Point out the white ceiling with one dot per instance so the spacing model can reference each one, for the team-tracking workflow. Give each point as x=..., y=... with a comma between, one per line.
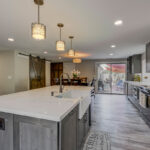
x=90, y=21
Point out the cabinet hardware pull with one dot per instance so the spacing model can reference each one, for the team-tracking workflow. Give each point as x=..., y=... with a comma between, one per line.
x=2, y=124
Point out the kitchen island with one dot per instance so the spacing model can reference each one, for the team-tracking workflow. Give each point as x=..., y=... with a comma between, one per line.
x=35, y=120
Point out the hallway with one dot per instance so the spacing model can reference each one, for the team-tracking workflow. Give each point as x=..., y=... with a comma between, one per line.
x=117, y=116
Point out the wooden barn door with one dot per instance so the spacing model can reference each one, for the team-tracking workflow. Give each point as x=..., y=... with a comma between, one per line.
x=37, y=72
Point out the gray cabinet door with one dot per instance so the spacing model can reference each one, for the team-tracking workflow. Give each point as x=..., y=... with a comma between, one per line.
x=69, y=128
x=129, y=65
x=6, y=131
x=83, y=128
x=86, y=123
x=137, y=64
x=35, y=134
x=81, y=132
x=148, y=57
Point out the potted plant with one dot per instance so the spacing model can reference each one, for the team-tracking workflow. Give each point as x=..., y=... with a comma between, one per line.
x=75, y=74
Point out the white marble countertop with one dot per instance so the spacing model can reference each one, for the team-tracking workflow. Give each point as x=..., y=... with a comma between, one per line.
x=136, y=83
x=39, y=103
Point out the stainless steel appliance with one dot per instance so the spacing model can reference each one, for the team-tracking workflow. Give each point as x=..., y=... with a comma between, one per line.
x=144, y=97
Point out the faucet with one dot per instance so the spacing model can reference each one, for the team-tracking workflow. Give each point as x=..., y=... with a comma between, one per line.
x=61, y=77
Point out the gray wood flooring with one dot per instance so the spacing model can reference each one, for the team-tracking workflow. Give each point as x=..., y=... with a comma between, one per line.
x=117, y=116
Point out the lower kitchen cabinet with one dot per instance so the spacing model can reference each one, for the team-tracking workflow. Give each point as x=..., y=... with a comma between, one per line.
x=27, y=133
x=35, y=134
x=6, y=131
x=69, y=128
x=83, y=128
x=135, y=97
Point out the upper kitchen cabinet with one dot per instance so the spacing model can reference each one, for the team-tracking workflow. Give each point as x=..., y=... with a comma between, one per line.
x=137, y=63
x=129, y=65
x=134, y=64
x=129, y=69
x=148, y=57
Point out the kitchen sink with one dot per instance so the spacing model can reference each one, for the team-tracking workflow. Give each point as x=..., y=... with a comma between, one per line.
x=83, y=96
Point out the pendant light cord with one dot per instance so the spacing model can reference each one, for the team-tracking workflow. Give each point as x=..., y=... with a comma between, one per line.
x=71, y=43
x=60, y=33
x=38, y=13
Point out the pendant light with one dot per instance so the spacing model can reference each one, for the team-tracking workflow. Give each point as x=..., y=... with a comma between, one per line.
x=38, y=29
x=77, y=60
x=71, y=51
x=60, y=45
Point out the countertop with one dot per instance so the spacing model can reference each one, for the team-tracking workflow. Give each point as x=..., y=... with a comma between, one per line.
x=146, y=84
x=40, y=104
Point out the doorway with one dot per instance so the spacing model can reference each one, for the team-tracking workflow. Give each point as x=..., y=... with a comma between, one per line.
x=111, y=78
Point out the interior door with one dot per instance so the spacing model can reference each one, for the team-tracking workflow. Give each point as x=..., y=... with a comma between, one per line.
x=56, y=71
x=37, y=72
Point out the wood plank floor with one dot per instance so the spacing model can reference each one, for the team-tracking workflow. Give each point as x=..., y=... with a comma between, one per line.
x=117, y=116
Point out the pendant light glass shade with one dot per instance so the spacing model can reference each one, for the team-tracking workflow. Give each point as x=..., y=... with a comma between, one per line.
x=77, y=60
x=60, y=45
x=71, y=53
x=38, y=31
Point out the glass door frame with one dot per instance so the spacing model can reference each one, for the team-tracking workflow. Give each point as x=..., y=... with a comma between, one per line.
x=109, y=62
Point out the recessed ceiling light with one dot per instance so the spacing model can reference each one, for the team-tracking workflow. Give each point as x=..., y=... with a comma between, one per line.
x=111, y=54
x=11, y=39
x=113, y=46
x=45, y=52
x=59, y=57
x=118, y=23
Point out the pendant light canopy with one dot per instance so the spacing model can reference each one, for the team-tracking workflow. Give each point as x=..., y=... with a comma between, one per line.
x=38, y=29
x=71, y=51
x=60, y=45
x=77, y=60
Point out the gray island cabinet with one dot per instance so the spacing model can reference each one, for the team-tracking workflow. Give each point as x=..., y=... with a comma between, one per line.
x=6, y=131
x=83, y=129
x=27, y=133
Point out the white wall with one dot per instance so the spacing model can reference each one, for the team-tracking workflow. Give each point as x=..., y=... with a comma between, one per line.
x=6, y=72
x=21, y=72
x=47, y=73
x=87, y=69
x=68, y=67
x=14, y=72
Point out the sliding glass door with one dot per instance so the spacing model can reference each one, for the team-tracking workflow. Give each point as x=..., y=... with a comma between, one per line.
x=111, y=77
x=104, y=78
